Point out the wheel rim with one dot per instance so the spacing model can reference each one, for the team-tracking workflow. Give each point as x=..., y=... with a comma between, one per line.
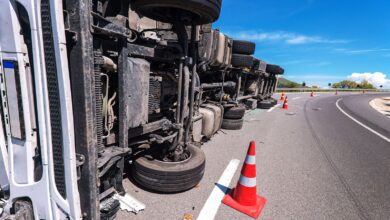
x=177, y=162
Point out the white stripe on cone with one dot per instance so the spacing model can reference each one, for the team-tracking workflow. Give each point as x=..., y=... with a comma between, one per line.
x=248, y=182
x=250, y=160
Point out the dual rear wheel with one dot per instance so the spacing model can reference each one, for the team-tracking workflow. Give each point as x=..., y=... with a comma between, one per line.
x=233, y=118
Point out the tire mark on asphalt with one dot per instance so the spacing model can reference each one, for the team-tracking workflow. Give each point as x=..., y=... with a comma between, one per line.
x=352, y=196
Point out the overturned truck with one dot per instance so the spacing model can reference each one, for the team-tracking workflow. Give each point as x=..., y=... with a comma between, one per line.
x=100, y=90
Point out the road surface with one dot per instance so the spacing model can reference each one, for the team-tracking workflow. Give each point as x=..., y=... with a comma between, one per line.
x=317, y=160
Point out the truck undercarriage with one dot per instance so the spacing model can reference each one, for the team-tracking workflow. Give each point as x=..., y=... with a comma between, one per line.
x=93, y=90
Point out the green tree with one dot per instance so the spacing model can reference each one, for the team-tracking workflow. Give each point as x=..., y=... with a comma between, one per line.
x=284, y=83
x=366, y=85
x=292, y=85
x=349, y=84
x=346, y=84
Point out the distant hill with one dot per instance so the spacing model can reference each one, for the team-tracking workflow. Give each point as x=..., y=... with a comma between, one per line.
x=285, y=83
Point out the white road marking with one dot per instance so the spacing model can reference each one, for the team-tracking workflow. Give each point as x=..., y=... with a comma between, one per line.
x=296, y=98
x=361, y=124
x=271, y=109
x=210, y=208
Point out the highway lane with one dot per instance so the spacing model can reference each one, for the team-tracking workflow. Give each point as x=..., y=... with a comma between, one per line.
x=358, y=157
x=358, y=107
x=313, y=162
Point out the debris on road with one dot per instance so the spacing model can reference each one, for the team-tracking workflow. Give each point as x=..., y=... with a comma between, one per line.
x=188, y=216
x=291, y=113
x=129, y=203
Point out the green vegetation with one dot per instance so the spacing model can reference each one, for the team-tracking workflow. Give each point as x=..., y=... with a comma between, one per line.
x=345, y=84
x=285, y=83
x=366, y=85
x=348, y=84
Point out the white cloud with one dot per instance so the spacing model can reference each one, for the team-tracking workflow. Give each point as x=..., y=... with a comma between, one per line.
x=376, y=78
x=361, y=51
x=286, y=37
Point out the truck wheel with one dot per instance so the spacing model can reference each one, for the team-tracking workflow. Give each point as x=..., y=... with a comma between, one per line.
x=234, y=112
x=274, y=69
x=265, y=104
x=196, y=11
x=170, y=177
x=241, y=60
x=232, y=124
x=23, y=210
x=244, y=47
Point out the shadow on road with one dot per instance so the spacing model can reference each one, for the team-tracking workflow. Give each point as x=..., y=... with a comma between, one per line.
x=223, y=188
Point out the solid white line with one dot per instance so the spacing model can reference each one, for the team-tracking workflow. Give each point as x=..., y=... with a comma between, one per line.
x=361, y=124
x=210, y=208
x=271, y=109
x=296, y=98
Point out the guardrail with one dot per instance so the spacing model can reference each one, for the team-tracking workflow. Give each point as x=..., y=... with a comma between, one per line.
x=329, y=90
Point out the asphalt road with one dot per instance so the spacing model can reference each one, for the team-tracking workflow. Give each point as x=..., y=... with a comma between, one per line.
x=313, y=162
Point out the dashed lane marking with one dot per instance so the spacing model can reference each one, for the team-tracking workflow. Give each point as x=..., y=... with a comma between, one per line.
x=271, y=109
x=360, y=123
x=212, y=204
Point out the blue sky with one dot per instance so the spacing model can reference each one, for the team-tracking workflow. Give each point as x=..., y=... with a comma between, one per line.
x=316, y=41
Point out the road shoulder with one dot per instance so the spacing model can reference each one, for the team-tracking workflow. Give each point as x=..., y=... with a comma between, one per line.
x=382, y=105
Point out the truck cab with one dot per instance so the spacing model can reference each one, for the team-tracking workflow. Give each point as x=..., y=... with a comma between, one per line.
x=100, y=90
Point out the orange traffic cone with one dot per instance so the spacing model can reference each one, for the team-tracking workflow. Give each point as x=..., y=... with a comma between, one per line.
x=243, y=198
x=285, y=104
x=312, y=94
x=282, y=97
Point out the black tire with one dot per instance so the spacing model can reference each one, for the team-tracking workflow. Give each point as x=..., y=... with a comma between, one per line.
x=234, y=112
x=243, y=47
x=170, y=177
x=266, y=104
x=197, y=11
x=274, y=69
x=232, y=124
x=241, y=60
